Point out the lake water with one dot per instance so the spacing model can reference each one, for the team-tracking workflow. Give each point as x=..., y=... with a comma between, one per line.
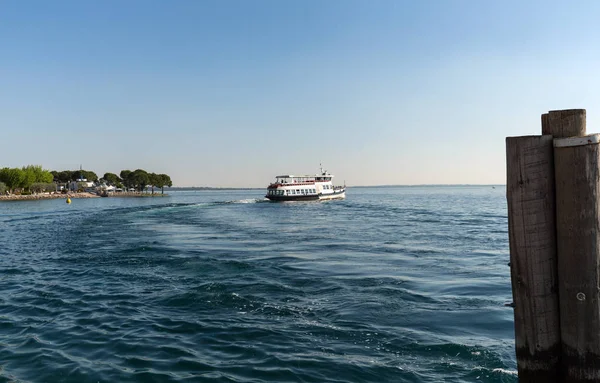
x=393, y=284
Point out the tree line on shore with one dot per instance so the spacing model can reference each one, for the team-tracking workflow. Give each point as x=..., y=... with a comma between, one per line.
x=33, y=178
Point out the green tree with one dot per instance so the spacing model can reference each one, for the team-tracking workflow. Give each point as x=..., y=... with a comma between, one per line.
x=12, y=177
x=89, y=175
x=28, y=177
x=139, y=179
x=153, y=180
x=3, y=188
x=85, y=174
x=34, y=174
x=39, y=174
x=125, y=178
x=45, y=177
x=163, y=180
x=111, y=179
x=64, y=176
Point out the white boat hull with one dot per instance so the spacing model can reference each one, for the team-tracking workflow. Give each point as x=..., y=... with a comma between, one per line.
x=336, y=195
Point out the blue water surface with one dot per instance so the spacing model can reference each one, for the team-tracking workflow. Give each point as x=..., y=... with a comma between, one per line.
x=393, y=284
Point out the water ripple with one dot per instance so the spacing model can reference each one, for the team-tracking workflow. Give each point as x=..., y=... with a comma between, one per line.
x=390, y=285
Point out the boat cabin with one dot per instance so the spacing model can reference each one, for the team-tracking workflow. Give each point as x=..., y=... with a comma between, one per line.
x=291, y=179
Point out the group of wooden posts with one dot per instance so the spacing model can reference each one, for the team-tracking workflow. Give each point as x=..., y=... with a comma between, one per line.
x=553, y=191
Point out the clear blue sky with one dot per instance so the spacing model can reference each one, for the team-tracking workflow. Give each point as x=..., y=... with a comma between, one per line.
x=232, y=93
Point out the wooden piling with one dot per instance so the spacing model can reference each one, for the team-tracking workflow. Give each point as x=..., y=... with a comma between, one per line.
x=577, y=164
x=532, y=240
x=565, y=123
x=545, y=125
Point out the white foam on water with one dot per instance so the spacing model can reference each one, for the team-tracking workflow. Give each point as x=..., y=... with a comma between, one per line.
x=248, y=200
x=505, y=371
x=498, y=370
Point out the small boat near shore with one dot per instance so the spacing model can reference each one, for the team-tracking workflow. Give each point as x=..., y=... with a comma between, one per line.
x=305, y=188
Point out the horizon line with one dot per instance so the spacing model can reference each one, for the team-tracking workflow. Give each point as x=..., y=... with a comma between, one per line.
x=356, y=186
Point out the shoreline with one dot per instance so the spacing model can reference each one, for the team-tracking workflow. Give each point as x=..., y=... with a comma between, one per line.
x=34, y=197
x=42, y=196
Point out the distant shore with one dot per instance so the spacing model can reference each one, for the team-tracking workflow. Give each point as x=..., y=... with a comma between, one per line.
x=19, y=197
x=39, y=196
x=137, y=194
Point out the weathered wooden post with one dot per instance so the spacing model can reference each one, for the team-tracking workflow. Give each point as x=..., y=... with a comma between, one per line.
x=564, y=123
x=532, y=239
x=554, y=235
x=577, y=172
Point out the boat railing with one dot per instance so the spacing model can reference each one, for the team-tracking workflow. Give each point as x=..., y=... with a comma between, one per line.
x=292, y=183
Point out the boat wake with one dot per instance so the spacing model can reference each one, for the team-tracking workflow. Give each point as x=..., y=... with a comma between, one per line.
x=249, y=200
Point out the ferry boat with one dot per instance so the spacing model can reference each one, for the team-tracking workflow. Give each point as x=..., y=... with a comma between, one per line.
x=305, y=188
